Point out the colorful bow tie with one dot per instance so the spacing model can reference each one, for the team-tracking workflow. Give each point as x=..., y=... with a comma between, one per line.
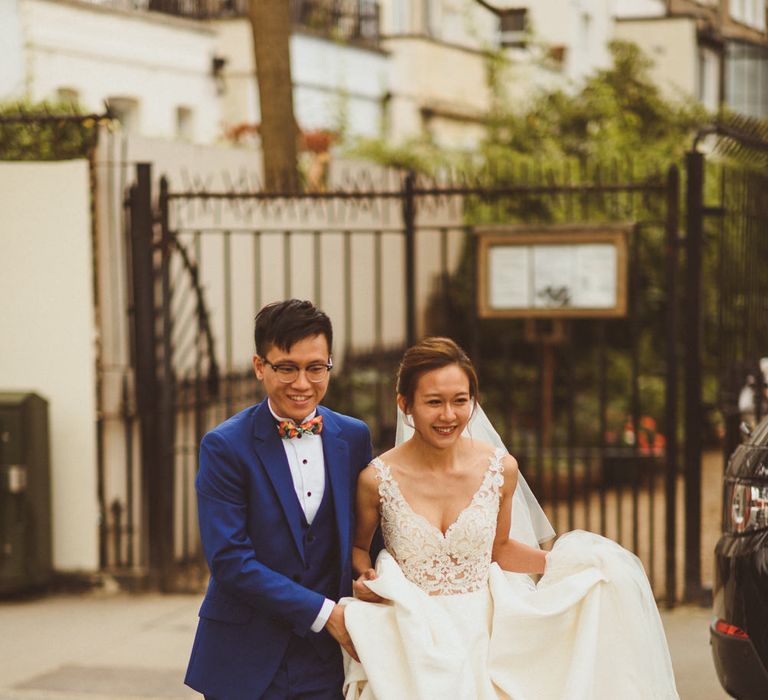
x=288, y=428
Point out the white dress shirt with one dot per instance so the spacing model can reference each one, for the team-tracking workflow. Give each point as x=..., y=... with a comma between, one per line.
x=307, y=465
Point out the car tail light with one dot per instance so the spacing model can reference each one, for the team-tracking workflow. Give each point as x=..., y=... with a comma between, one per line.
x=730, y=630
x=747, y=507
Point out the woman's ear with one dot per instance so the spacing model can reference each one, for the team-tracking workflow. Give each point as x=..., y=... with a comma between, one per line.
x=402, y=404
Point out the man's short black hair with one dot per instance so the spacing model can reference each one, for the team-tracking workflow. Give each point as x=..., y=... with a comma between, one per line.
x=284, y=323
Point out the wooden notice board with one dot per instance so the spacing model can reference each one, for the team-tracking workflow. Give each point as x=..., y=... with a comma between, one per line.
x=555, y=271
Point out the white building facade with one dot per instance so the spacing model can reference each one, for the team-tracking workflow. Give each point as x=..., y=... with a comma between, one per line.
x=399, y=69
x=153, y=70
x=715, y=51
x=188, y=75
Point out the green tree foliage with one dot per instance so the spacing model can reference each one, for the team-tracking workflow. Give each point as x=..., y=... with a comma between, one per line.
x=618, y=114
x=45, y=131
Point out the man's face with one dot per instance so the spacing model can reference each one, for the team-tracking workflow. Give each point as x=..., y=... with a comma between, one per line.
x=298, y=398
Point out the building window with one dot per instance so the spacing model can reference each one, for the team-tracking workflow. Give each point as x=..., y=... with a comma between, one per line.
x=746, y=79
x=585, y=32
x=126, y=111
x=512, y=26
x=185, y=124
x=749, y=12
x=400, y=17
x=433, y=16
x=68, y=96
x=709, y=78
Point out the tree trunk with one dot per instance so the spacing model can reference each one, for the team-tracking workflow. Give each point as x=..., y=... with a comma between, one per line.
x=271, y=27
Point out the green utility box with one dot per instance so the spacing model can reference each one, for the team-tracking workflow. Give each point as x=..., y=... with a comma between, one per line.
x=25, y=492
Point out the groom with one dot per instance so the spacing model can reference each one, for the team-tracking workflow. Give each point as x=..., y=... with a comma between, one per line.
x=275, y=498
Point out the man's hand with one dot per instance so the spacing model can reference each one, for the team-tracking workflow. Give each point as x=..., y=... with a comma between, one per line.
x=361, y=591
x=338, y=630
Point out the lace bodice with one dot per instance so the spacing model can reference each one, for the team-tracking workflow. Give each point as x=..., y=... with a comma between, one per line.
x=442, y=564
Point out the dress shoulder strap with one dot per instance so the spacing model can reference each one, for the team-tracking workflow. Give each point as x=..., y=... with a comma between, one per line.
x=382, y=470
x=498, y=455
x=387, y=485
x=495, y=474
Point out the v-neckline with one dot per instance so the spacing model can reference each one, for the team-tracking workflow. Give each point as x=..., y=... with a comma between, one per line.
x=493, y=459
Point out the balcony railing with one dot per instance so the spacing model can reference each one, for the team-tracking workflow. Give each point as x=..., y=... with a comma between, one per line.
x=341, y=20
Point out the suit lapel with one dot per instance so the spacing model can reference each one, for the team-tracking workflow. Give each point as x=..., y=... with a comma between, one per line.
x=270, y=450
x=336, y=455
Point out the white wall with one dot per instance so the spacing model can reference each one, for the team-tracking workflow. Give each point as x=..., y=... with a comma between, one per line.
x=11, y=49
x=582, y=26
x=48, y=332
x=639, y=8
x=240, y=96
x=162, y=62
x=672, y=45
x=333, y=82
x=446, y=79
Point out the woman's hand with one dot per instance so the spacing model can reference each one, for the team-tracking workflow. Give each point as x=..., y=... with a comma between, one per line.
x=361, y=591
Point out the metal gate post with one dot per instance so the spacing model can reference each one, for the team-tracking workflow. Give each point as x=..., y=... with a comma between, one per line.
x=693, y=371
x=409, y=226
x=144, y=356
x=162, y=503
x=670, y=418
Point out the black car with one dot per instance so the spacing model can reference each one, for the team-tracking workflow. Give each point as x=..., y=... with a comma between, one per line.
x=739, y=631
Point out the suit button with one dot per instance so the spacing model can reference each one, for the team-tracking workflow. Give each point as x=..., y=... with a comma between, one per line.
x=297, y=578
x=311, y=539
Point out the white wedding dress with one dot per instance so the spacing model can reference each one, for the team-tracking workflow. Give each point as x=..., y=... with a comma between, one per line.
x=457, y=627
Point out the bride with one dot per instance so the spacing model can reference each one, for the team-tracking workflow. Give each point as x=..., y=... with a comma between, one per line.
x=450, y=612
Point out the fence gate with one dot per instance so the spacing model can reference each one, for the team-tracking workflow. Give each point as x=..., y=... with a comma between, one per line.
x=726, y=307
x=590, y=414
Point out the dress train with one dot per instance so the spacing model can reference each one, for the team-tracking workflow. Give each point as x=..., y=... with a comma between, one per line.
x=590, y=630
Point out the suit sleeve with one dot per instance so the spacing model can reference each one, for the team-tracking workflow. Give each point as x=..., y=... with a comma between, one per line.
x=223, y=512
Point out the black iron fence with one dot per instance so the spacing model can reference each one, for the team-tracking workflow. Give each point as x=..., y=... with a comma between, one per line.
x=587, y=405
x=736, y=250
x=726, y=300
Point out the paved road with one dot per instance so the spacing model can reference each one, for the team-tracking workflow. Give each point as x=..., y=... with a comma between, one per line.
x=115, y=646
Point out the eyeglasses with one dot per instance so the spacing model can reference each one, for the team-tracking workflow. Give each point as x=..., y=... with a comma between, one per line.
x=316, y=372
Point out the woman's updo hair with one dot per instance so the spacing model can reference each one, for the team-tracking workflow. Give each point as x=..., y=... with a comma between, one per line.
x=432, y=353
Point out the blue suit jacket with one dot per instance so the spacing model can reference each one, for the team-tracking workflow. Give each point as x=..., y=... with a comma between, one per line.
x=250, y=526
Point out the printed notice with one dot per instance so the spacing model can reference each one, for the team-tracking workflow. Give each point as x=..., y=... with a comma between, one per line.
x=595, y=284
x=554, y=277
x=509, y=268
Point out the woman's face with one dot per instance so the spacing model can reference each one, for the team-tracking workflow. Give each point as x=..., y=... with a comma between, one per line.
x=441, y=405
